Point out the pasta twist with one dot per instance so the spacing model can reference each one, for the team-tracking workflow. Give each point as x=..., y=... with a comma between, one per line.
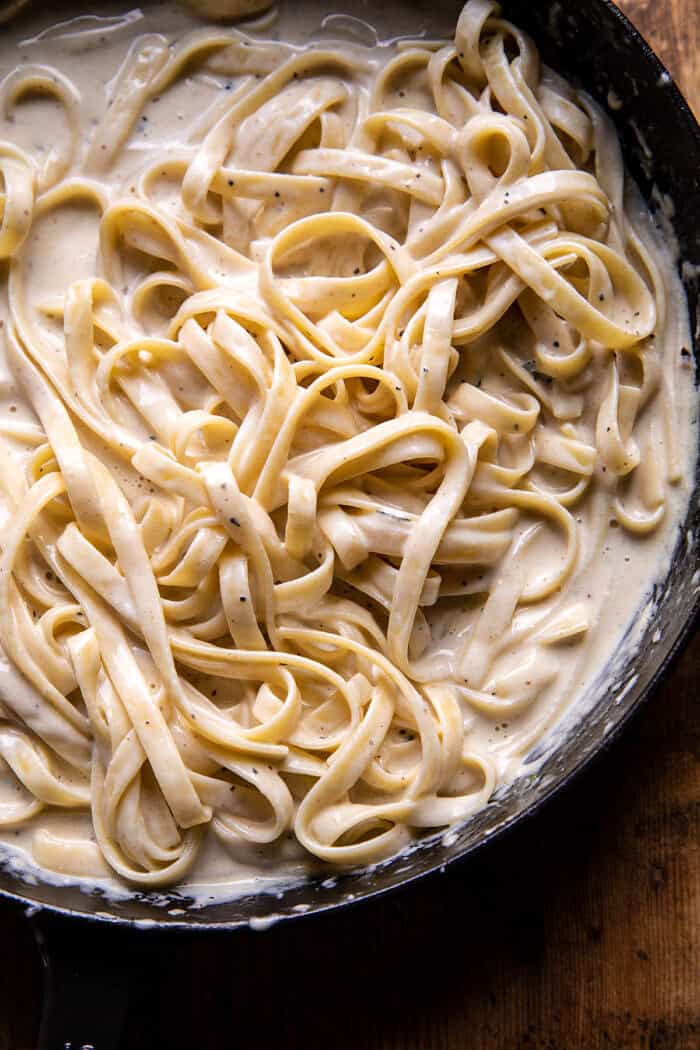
x=349, y=353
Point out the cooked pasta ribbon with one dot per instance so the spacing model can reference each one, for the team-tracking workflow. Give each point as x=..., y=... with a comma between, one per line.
x=299, y=505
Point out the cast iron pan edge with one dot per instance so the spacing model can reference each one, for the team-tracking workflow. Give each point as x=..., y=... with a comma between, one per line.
x=549, y=31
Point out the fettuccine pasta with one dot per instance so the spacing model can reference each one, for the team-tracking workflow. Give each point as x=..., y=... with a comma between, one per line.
x=337, y=388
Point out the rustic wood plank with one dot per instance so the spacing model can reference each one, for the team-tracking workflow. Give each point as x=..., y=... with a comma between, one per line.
x=672, y=27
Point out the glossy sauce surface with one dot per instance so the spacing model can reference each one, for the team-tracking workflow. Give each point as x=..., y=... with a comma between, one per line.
x=510, y=666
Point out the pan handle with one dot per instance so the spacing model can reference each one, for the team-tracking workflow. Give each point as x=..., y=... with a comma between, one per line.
x=90, y=975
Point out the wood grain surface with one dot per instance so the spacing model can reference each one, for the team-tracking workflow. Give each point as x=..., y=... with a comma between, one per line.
x=581, y=931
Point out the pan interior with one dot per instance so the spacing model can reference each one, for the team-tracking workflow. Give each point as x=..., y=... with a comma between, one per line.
x=586, y=45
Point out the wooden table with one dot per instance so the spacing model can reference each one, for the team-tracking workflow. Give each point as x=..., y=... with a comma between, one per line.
x=581, y=932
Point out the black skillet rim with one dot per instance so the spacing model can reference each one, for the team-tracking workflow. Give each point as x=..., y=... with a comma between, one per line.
x=681, y=112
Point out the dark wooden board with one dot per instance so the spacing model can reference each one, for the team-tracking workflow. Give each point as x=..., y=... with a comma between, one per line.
x=580, y=932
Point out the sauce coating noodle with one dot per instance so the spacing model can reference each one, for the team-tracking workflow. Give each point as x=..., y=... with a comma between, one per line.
x=335, y=395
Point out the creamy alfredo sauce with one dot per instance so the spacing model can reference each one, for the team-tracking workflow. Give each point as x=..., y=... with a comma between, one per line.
x=350, y=354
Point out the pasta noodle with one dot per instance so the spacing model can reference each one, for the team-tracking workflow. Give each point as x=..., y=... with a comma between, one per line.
x=329, y=420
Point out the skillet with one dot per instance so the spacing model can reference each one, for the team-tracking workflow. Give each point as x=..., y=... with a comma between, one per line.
x=93, y=946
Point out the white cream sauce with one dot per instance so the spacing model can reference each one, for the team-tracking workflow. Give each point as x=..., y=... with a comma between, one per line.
x=620, y=567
